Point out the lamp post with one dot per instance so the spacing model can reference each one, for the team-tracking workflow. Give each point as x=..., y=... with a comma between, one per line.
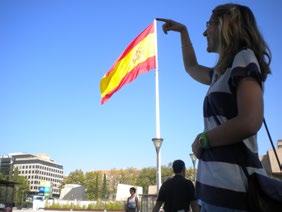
x=193, y=158
x=158, y=143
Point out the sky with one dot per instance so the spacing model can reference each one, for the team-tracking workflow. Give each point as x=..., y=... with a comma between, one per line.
x=54, y=53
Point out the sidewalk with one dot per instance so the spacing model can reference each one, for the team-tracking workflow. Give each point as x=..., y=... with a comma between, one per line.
x=40, y=210
x=30, y=210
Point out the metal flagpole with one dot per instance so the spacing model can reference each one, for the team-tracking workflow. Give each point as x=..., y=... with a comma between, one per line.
x=157, y=140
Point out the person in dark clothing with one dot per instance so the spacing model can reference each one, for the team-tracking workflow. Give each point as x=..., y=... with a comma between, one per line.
x=177, y=193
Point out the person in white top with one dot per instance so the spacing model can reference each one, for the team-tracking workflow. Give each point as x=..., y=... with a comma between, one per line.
x=132, y=203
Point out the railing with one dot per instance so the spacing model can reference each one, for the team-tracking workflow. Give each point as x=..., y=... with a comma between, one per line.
x=147, y=203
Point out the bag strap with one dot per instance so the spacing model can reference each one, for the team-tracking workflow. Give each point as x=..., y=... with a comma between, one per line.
x=245, y=171
x=265, y=125
x=274, y=150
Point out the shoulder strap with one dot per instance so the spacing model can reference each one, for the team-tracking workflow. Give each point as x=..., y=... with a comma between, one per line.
x=274, y=150
x=265, y=125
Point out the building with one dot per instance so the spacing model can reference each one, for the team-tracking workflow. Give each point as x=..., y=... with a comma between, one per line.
x=38, y=169
x=270, y=163
x=5, y=165
x=73, y=192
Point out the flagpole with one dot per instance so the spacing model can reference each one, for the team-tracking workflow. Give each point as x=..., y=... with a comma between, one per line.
x=157, y=140
x=158, y=131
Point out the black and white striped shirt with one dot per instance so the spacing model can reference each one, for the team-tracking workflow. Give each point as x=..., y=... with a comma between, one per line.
x=221, y=181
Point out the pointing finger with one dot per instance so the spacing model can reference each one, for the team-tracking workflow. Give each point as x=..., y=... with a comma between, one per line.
x=162, y=19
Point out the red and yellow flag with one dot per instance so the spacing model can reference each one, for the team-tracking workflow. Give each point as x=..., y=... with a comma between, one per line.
x=139, y=57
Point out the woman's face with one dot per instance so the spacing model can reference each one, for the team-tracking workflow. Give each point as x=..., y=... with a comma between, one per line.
x=131, y=191
x=212, y=35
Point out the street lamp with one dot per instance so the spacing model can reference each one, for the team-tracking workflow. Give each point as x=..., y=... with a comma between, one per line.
x=193, y=158
x=158, y=143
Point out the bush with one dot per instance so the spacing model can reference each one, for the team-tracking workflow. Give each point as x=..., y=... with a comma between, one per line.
x=114, y=206
x=100, y=205
x=24, y=205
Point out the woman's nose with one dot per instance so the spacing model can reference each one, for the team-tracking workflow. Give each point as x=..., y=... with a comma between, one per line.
x=205, y=33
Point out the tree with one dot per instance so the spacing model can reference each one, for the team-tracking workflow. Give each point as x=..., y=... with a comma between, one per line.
x=146, y=177
x=96, y=189
x=90, y=180
x=76, y=177
x=22, y=187
x=2, y=177
x=103, y=185
x=190, y=174
x=113, y=181
x=166, y=172
x=104, y=192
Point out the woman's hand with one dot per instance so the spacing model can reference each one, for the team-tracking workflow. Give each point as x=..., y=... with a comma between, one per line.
x=196, y=147
x=171, y=25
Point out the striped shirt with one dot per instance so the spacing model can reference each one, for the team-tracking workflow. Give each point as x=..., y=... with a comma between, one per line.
x=221, y=181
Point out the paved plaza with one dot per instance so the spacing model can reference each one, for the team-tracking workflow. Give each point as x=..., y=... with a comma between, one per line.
x=30, y=210
x=40, y=210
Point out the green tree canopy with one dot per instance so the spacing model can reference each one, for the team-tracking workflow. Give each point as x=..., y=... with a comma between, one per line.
x=104, y=191
x=90, y=182
x=76, y=177
x=22, y=187
x=103, y=184
x=146, y=177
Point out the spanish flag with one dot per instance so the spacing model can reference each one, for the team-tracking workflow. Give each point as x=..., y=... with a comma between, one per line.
x=139, y=57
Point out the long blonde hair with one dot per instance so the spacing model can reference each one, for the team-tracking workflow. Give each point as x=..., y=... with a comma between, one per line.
x=238, y=29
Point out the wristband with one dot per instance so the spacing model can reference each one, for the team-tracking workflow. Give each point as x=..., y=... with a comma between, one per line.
x=204, y=141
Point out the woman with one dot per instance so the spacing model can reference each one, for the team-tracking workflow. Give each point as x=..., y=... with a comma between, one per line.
x=132, y=203
x=233, y=106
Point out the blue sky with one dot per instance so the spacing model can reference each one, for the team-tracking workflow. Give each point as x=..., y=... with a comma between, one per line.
x=54, y=53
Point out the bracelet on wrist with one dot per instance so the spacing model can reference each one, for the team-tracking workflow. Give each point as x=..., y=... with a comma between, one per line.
x=204, y=141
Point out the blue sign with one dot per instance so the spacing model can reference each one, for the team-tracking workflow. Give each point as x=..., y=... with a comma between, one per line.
x=41, y=189
x=44, y=191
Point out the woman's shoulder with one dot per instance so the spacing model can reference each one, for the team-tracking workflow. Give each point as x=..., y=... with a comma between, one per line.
x=244, y=57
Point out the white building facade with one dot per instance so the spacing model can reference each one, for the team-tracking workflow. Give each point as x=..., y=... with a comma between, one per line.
x=39, y=170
